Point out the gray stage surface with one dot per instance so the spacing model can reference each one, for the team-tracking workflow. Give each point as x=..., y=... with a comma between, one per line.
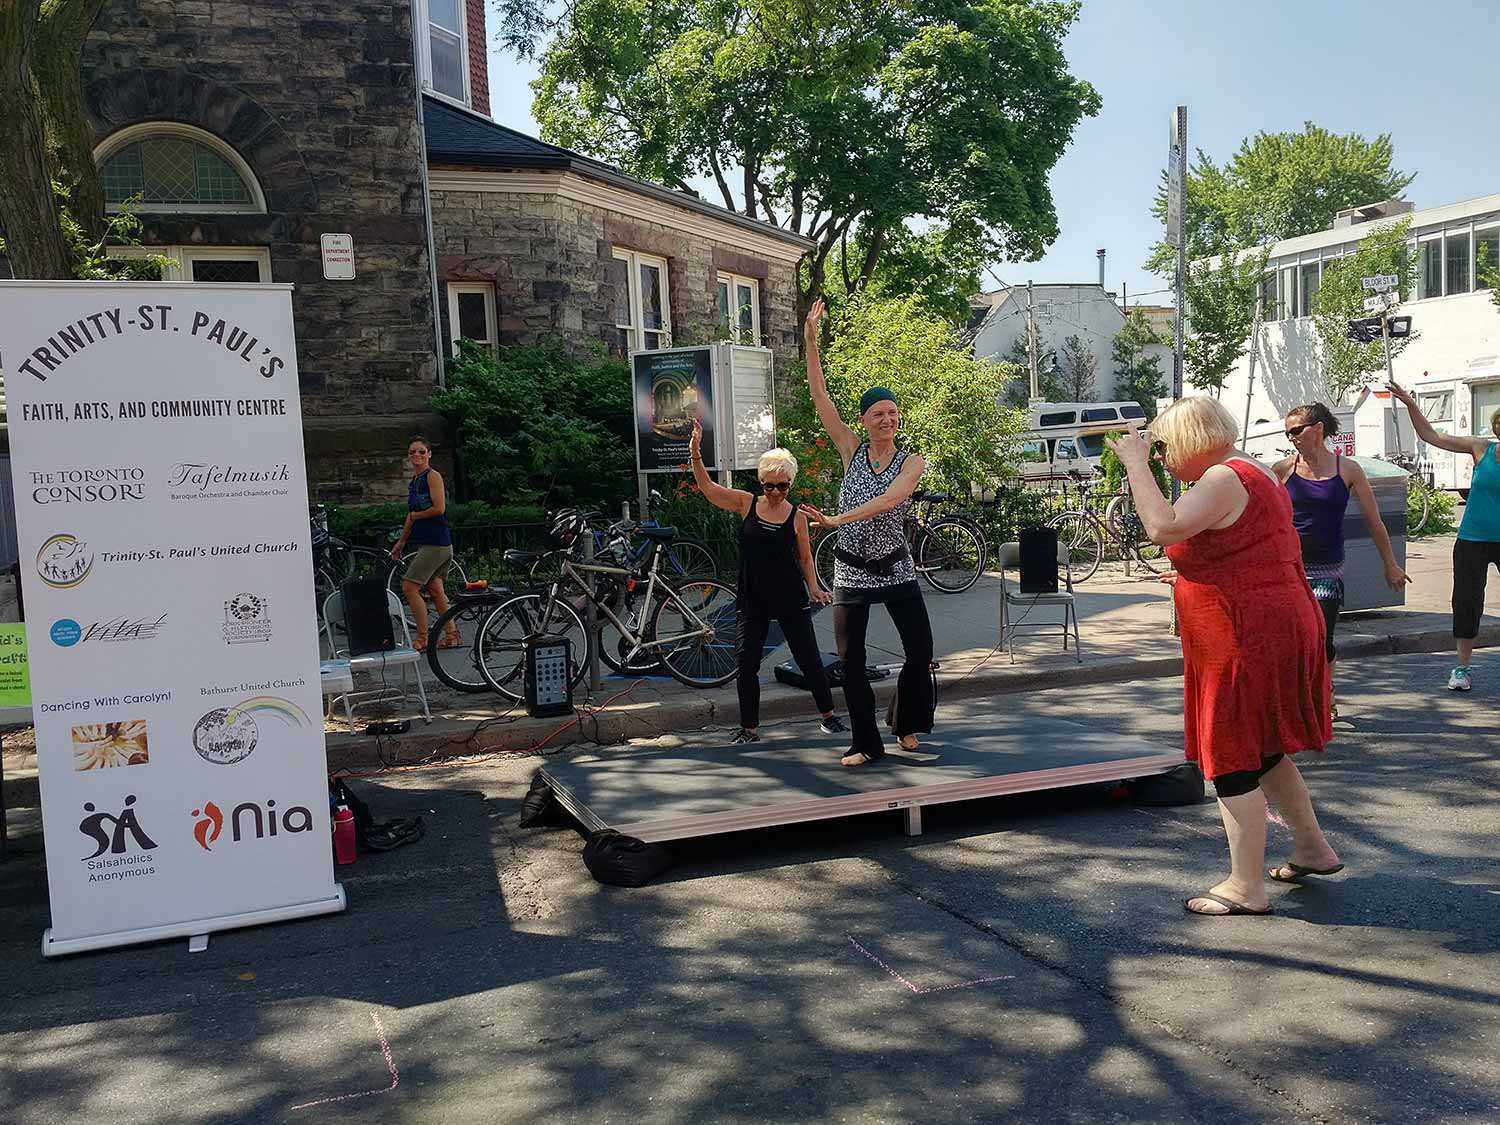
x=700, y=790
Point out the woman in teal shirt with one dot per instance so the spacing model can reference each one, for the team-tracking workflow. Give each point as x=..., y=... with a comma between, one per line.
x=1478, y=544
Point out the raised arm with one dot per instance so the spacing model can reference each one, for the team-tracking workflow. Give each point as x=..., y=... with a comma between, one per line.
x=844, y=438
x=1212, y=500
x=901, y=488
x=730, y=499
x=1453, y=443
x=1359, y=485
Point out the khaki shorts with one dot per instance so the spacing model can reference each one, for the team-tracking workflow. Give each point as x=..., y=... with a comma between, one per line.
x=428, y=563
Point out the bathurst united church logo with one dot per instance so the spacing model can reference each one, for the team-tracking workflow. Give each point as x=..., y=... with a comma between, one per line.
x=64, y=561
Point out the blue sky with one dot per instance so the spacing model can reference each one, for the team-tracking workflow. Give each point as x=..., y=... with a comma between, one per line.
x=1426, y=74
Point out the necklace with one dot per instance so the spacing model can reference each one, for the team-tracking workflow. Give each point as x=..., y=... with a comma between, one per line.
x=876, y=462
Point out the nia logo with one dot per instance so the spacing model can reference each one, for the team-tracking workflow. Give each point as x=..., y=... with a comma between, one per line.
x=249, y=820
x=206, y=830
x=113, y=838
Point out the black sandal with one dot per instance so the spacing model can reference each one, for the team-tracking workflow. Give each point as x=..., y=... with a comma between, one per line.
x=1231, y=907
x=1296, y=871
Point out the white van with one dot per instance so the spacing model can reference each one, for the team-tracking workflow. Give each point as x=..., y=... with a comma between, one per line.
x=1067, y=436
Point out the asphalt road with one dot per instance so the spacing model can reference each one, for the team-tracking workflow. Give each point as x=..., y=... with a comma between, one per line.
x=1025, y=959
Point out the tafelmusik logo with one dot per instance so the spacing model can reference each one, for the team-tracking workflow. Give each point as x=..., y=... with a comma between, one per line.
x=227, y=735
x=66, y=632
x=64, y=561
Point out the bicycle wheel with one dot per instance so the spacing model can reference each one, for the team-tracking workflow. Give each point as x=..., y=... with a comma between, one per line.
x=823, y=558
x=614, y=646
x=687, y=560
x=458, y=667
x=951, y=555
x=1126, y=524
x=697, y=627
x=1418, y=505
x=1084, y=537
x=501, y=646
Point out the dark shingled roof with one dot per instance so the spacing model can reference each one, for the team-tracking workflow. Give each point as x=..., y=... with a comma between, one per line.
x=458, y=137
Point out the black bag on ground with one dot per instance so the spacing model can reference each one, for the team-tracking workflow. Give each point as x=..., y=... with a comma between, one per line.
x=624, y=861
x=788, y=673
x=539, y=808
x=1180, y=785
x=339, y=793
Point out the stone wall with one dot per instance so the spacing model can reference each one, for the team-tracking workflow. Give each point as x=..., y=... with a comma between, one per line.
x=550, y=258
x=320, y=100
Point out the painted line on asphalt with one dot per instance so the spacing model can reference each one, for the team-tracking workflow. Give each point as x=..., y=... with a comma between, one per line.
x=917, y=989
x=390, y=1065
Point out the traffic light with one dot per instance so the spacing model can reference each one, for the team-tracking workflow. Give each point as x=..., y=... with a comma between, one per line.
x=1366, y=330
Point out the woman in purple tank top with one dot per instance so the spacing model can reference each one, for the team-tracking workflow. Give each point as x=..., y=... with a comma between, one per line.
x=1320, y=482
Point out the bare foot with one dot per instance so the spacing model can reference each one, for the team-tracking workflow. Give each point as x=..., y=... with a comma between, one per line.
x=910, y=742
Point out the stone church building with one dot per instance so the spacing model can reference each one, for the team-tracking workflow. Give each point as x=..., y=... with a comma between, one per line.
x=247, y=131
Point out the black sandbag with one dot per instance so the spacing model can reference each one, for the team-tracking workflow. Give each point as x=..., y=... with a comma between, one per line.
x=539, y=808
x=1180, y=785
x=624, y=861
x=340, y=794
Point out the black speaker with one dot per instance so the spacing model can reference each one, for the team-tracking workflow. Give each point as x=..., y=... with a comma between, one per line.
x=1038, y=560
x=790, y=674
x=367, y=616
x=548, y=676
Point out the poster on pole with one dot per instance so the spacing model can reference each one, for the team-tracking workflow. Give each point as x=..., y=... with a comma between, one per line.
x=672, y=387
x=1174, y=178
x=161, y=510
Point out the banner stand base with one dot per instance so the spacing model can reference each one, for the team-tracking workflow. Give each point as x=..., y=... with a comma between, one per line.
x=195, y=931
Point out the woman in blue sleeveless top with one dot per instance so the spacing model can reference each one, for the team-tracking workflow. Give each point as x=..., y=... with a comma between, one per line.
x=427, y=530
x=1477, y=547
x=1320, y=483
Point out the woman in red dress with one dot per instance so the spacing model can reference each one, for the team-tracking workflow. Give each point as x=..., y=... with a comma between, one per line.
x=1255, y=682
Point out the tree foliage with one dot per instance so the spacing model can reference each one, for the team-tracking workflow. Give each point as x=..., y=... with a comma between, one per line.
x=539, y=424
x=950, y=411
x=1016, y=390
x=839, y=121
x=1221, y=296
x=941, y=266
x=1076, y=370
x=1341, y=297
x=1137, y=370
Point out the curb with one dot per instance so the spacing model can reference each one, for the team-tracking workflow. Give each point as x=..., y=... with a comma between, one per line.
x=616, y=725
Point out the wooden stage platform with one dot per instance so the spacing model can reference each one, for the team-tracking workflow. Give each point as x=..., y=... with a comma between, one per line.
x=700, y=790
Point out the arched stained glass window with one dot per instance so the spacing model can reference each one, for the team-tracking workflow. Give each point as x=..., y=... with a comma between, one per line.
x=167, y=171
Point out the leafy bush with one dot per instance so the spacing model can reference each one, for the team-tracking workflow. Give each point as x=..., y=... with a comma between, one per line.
x=1442, y=512
x=371, y=524
x=1114, y=471
x=540, y=425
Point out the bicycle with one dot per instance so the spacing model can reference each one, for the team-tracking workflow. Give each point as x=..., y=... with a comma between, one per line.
x=335, y=560
x=685, y=559
x=950, y=552
x=1085, y=532
x=691, y=629
x=458, y=666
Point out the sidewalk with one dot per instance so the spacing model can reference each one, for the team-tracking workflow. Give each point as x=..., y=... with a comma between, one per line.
x=1124, y=625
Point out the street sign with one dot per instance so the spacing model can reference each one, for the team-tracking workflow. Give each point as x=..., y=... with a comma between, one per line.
x=1381, y=282
x=1398, y=327
x=1378, y=303
x=338, y=257
x=1174, y=177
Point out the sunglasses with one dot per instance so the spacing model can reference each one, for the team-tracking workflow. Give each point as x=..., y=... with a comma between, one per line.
x=775, y=486
x=1293, y=431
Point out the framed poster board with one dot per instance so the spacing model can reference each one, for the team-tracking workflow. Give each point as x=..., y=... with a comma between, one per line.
x=673, y=386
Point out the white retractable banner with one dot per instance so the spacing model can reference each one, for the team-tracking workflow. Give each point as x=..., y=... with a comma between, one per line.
x=161, y=509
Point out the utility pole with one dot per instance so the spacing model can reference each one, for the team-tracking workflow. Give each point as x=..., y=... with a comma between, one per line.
x=1036, y=391
x=1260, y=307
x=1178, y=174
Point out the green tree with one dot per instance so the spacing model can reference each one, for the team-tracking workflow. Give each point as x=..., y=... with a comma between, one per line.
x=1221, y=299
x=1275, y=186
x=1137, y=370
x=1340, y=299
x=46, y=139
x=1076, y=369
x=839, y=121
x=1016, y=391
x=950, y=412
x=940, y=265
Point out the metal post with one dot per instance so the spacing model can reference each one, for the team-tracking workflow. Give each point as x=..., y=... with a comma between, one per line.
x=591, y=614
x=1036, y=392
x=1390, y=377
x=643, y=495
x=1250, y=382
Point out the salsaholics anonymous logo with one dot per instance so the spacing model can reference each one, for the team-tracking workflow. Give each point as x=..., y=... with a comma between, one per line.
x=64, y=561
x=247, y=620
x=66, y=632
x=122, y=849
x=227, y=735
x=250, y=820
x=199, y=480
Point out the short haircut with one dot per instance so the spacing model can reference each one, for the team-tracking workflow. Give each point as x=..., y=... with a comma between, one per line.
x=1193, y=427
x=419, y=440
x=1313, y=413
x=777, y=461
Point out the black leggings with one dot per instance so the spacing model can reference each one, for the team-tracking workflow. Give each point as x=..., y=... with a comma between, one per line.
x=914, y=703
x=798, y=628
x=1471, y=563
x=1240, y=782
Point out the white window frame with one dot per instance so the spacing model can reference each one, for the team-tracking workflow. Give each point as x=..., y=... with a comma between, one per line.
x=1482, y=227
x=633, y=260
x=1465, y=230
x=733, y=280
x=1421, y=253
x=423, y=18
x=491, y=321
x=147, y=129
x=181, y=258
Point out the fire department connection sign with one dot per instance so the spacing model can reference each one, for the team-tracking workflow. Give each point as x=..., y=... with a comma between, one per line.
x=161, y=510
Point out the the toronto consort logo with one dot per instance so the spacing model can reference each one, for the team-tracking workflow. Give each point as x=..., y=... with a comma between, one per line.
x=200, y=480
x=66, y=632
x=89, y=486
x=247, y=619
x=64, y=561
x=227, y=735
x=109, y=831
x=250, y=820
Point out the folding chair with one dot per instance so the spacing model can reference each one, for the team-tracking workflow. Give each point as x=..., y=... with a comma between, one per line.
x=1010, y=559
x=403, y=657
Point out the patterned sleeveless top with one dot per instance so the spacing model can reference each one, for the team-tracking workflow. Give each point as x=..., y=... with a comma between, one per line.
x=875, y=537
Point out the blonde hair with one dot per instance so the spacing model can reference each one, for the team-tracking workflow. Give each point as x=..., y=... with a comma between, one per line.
x=777, y=461
x=1192, y=427
x=1495, y=421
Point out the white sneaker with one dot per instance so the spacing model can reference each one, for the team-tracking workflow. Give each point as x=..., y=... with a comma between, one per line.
x=1458, y=679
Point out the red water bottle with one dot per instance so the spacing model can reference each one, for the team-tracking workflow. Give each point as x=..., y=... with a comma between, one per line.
x=343, y=835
